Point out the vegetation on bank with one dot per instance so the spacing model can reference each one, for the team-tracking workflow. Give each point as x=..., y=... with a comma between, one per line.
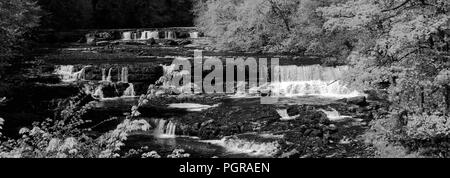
x=397, y=47
x=401, y=47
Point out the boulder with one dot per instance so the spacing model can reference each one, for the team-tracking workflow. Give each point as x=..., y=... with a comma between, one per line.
x=359, y=100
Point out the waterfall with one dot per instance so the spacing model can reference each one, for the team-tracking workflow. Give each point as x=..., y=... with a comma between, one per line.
x=109, y=78
x=334, y=115
x=193, y=34
x=67, y=74
x=146, y=35
x=285, y=116
x=154, y=34
x=170, y=35
x=310, y=80
x=126, y=36
x=164, y=129
x=98, y=93
x=134, y=35
x=129, y=92
x=103, y=75
x=124, y=75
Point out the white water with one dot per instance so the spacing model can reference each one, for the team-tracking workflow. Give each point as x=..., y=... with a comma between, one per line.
x=146, y=35
x=98, y=93
x=129, y=92
x=164, y=129
x=193, y=34
x=252, y=148
x=192, y=107
x=124, y=75
x=67, y=74
x=104, y=75
x=170, y=35
x=170, y=72
x=127, y=36
x=334, y=115
x=109, y=77
x=312, y=80
x=285, y=116
x=333, y=89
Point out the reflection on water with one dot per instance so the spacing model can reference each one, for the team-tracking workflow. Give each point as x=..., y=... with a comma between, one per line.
x=195, y=147
x=122, y=102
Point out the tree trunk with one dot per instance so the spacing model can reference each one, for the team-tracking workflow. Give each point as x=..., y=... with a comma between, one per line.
x=447, y=99
x=421, y=99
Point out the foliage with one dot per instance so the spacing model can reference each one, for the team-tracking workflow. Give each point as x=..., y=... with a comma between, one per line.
x=428, y=126
x=17, y=17
x=65, y=137
x=402, y=46
x=268, y=25
x=380, y=136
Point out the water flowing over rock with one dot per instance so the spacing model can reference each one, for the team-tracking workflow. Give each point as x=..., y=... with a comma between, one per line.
x=129, y=92
x=109, y=78
x=98, y=93
x=164, y=129
x=169, y=73
x=124, y=75
x=126, y=36
x=285, y=116
x=334, y=115
x=192, y=107
x=310, y=80
x=170, y=35
x=104, y=75
x=193, y=35
x=146, y=35
x=234, y=144
x=67, y=74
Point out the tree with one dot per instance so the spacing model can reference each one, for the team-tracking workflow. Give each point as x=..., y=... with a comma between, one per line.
x=17, y=17
x=402, y=46
x=268, y=25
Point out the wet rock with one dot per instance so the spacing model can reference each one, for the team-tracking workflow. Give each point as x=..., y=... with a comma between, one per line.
x=359, y=101
x=376, y=95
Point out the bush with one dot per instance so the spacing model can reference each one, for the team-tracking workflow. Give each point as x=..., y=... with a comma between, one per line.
x=43, y=142
x=382, y=136
x=426, y=126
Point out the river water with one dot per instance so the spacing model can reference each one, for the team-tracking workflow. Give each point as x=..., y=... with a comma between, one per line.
x=117, y=86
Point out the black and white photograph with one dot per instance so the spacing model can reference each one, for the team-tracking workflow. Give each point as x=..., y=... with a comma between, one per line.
x=224, y=79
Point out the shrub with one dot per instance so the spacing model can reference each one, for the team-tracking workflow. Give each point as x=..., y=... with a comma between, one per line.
x=427, y=126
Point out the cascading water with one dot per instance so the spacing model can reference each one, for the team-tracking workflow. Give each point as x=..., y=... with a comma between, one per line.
x=67, y=74
x=127, y=36
x=170, y=35
x=310, y=80
x=109, y=78
x=146, y=35
x=98, y=93
x=334, y=115
x=285, y=116
x=124, y=75
x=103, y=75
x=129, y=92
x=193, y=34
x=164, y=129
x=169, y=72
x=154, y=35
